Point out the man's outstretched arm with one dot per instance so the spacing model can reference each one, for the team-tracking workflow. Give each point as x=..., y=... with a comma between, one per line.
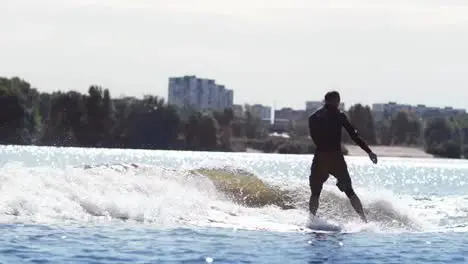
x=354, y=134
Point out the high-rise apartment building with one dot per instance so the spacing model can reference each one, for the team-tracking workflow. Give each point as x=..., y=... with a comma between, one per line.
x=201, y=94
x=260, y=111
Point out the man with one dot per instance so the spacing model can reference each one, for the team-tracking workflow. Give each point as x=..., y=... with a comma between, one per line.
x=325, y=130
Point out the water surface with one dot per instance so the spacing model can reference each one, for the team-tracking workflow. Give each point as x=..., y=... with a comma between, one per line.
x=53, y=210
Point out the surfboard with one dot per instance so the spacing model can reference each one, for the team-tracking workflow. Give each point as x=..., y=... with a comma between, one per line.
x=317, y=224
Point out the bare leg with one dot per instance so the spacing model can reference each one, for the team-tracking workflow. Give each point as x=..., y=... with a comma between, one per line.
x=318, y=175
x=356, y=203
x=345, y=185
x=313, y=204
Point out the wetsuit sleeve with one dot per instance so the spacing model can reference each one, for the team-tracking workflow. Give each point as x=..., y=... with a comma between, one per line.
x=353, y=133
x=312, y=128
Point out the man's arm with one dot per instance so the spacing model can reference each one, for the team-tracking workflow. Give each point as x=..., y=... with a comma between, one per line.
x=354, y=134
x=312, y=129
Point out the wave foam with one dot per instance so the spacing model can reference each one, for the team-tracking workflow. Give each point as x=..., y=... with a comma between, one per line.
x=165, y=197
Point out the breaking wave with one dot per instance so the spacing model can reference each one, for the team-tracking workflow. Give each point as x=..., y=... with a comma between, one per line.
x=206, y=196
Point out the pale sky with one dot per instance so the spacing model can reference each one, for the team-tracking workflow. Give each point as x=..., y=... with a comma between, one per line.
x=290, y=51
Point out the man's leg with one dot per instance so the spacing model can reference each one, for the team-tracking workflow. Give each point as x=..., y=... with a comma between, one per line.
x=316, y=179
x=314, y=202
x=356, y=203
x=345, y=185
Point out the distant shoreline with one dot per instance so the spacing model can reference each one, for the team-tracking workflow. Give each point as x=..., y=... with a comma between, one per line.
x=381, y=151
x=353, y=150
x=390, y=151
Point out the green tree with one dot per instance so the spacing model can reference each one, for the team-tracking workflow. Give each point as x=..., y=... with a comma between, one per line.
x=399, y=129
x=149, y=124
x=208, y=133
x=225, y=120
x=19, y=118
x=254, y=127
x=440, y=138
x=361, y=117
x=192, y=131
x=201, y=132
x=64, y=120
x=383, y=131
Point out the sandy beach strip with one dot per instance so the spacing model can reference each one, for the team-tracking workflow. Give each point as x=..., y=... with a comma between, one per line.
x=390, y=151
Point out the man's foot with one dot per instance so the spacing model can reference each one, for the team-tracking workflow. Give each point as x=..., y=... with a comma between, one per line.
x=312, y=217
x=364, y=219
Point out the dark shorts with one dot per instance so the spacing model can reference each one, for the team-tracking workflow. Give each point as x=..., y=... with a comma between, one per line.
x=325, y=164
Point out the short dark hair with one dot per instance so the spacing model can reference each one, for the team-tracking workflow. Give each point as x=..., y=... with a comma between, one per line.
x=332, y=95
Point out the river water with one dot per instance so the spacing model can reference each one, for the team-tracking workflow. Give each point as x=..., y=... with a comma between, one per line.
x=142, y=206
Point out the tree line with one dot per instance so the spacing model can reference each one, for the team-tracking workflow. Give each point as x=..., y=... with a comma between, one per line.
x=440, y=134
x=95, y=119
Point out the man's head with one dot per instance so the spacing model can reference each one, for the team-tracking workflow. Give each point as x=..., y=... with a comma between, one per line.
x=332, y=99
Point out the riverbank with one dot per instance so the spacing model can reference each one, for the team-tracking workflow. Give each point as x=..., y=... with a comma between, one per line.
x=381, y=151
x=350, y=150
x=390, y=151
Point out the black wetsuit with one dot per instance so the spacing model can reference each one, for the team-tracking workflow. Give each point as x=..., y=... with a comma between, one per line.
x=325, y=130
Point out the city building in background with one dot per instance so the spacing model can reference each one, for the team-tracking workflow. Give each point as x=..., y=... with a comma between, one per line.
x=238, y=110
x=290, y=114
x=385, y=110
x=206, y=94
x=312, y=106
x=201, y=94
x=260, y=111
